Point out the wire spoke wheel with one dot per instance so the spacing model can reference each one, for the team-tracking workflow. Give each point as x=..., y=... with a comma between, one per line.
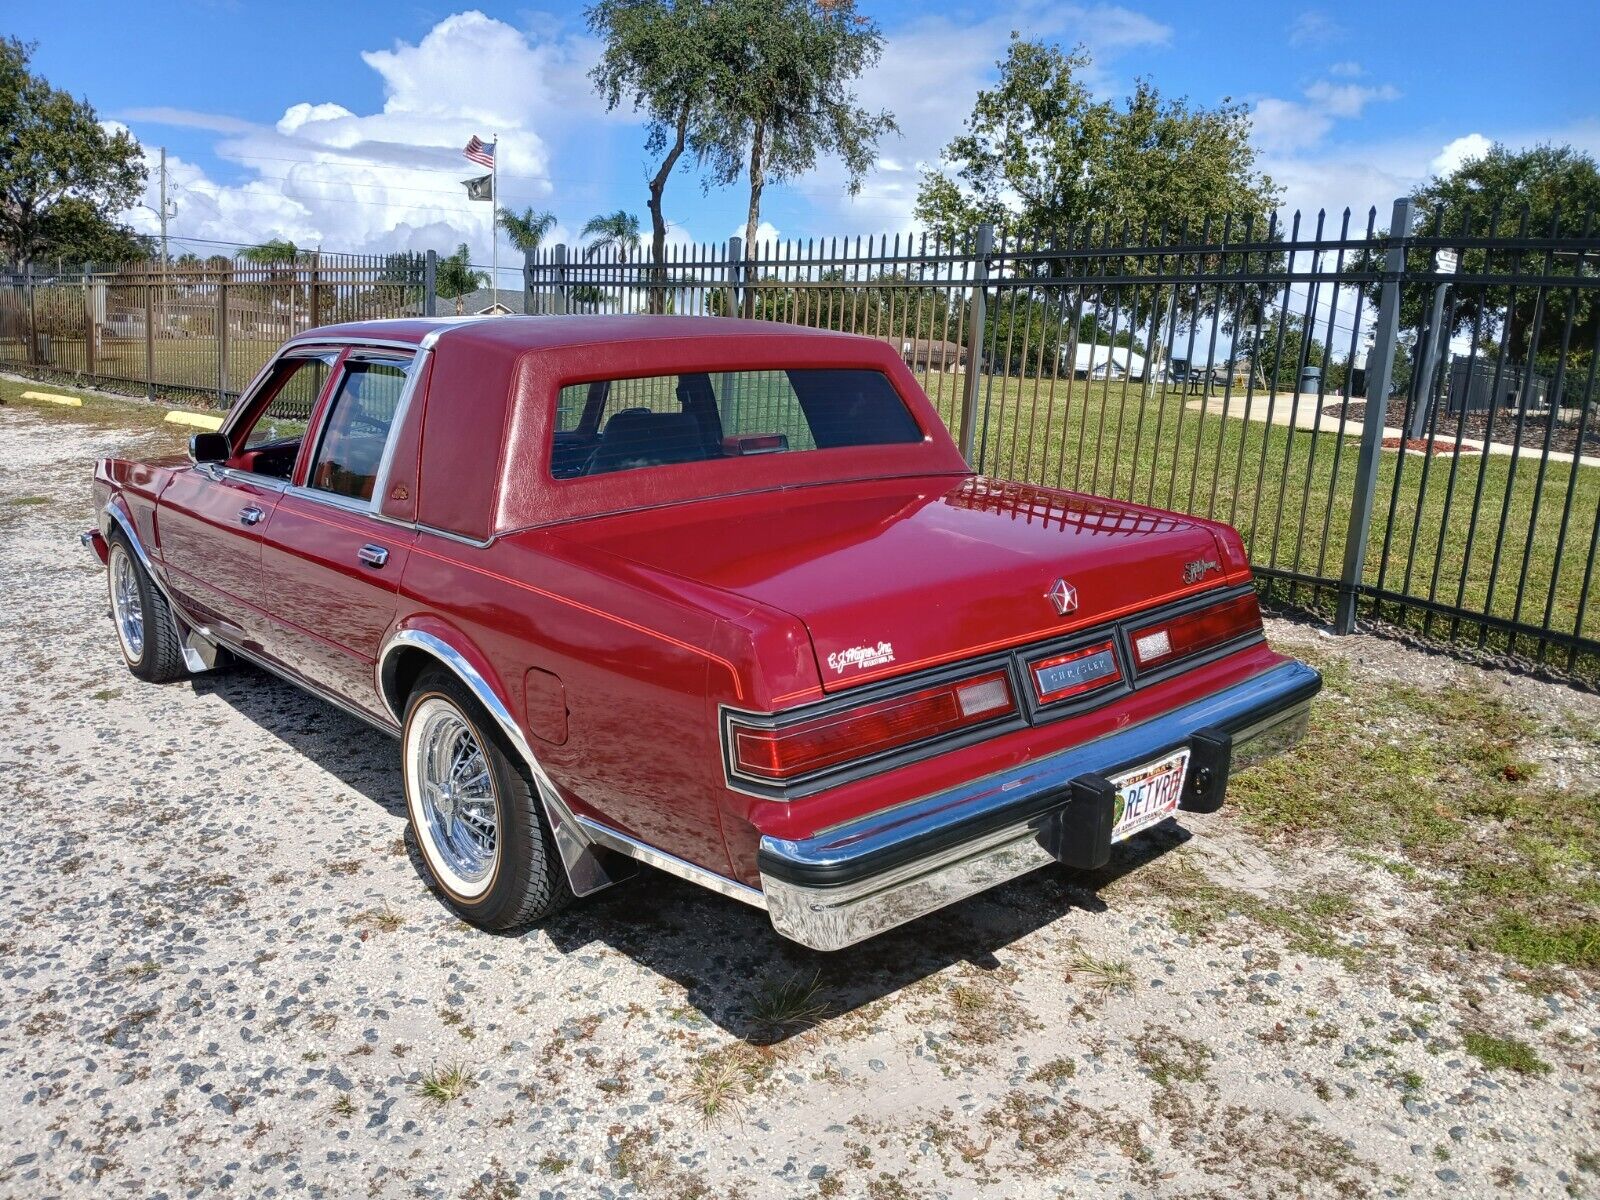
x=459, y=810
x=127, y=609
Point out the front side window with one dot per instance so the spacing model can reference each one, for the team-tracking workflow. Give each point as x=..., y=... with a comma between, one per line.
x=294, y=385
x=360, y=418
x=613, y=425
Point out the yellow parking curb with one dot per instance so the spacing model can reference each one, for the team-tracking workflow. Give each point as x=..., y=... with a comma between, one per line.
x=198, y=420
x=54, y=398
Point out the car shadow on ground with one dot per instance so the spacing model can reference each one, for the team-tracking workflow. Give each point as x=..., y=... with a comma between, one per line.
x=724, y=954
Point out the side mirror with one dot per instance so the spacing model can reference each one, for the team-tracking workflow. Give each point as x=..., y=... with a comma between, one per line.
x=209, y=447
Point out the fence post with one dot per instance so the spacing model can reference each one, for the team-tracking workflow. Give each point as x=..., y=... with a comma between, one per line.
x=222, y=343
x=149, y=339
x=90, y=330
x=33, y=321
x=529, y=304
x=430, y=279
x=1380, y=375
x=969, y=390
x=560, y=262
x=736, y=279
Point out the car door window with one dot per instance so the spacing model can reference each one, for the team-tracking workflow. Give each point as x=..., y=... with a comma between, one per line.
x=271, y=442
x=360, y=418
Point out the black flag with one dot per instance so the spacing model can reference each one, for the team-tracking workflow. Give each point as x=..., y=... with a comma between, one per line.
x=480, y=188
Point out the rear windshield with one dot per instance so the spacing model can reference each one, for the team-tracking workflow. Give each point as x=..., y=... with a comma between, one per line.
x=621, y=424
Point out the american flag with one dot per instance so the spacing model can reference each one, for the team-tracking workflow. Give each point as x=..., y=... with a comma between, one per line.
x=480, y=152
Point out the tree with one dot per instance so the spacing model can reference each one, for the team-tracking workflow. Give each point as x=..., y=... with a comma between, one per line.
x=785, y=102
x=1041, y=154
x=455, y=278
x=659, y=56
x=527, y=229
x=617, y=231
x=277, y=250
x=54, y=150
x=75, y=231
x=1550, y=190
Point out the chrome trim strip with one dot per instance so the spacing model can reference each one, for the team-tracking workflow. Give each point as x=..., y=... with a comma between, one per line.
x=586, y=871
x=1270, y=708
x=671, y=863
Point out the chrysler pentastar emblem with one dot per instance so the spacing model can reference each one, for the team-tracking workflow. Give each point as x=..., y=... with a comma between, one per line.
x=1064, y=596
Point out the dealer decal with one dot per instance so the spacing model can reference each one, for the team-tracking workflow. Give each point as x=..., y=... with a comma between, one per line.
x=861, y=657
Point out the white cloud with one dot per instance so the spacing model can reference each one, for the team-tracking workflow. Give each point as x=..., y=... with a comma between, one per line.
x=389, y=180
x=1313, y=26
x=1349, y=99
x=1284, y=125
x=1457, y=153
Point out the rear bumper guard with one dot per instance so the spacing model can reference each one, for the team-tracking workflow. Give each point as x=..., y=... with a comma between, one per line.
x=856, y=880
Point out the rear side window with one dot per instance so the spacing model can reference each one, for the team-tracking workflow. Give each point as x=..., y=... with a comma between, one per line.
x=613, y=425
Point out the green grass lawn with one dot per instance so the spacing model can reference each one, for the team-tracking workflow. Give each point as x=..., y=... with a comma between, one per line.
x=181, y=364
x=1290, y=492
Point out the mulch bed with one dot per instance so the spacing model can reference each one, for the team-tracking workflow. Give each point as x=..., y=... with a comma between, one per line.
x=1444, y=426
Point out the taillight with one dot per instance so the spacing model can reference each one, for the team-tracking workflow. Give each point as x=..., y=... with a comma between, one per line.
x=816, y=745
x=1176, y=638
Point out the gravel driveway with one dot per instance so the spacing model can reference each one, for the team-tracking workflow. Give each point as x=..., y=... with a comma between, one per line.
x=221, y=973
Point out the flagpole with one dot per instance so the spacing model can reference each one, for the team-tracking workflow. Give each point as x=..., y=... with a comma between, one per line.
x=494, y=223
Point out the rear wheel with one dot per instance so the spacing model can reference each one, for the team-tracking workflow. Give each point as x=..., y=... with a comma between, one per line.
x=475, y=810
x=145, y=628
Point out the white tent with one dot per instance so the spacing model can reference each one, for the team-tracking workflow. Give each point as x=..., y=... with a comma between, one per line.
x=1094, y=361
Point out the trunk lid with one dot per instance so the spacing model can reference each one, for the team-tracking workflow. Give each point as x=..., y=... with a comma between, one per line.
x=894, y=576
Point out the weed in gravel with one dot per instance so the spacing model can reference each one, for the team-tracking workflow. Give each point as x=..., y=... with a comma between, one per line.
x=788, y=1006
x=554, y=1164
x=722, y=1080
x=1050, y=1130
x=1057, y=1070
x=28, y=501
x=1171, y=1058
x=344, y=866
x=1104, y=975
x=444, y=1084
x=344, y=1106
x=1507, y=1053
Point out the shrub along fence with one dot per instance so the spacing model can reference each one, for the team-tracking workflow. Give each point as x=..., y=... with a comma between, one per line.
x=1402, y=427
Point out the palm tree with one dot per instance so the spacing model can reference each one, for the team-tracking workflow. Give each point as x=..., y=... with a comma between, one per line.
x=276, y=251
x=454, y=277
x=527, y=229
x=618, y=230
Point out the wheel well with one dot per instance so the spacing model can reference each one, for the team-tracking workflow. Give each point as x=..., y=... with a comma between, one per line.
x=400, y=673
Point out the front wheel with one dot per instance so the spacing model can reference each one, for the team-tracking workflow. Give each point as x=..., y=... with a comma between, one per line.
x=475, y=811
x=145, y=629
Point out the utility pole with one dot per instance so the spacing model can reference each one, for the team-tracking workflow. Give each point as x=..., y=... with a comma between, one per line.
x=167, y=210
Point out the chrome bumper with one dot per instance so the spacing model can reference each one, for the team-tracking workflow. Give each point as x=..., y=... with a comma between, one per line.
x=856, y=880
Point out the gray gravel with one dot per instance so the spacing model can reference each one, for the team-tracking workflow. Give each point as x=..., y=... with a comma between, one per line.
x=221, y=972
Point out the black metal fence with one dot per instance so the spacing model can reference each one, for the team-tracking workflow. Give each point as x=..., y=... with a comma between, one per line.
x=1403, y=427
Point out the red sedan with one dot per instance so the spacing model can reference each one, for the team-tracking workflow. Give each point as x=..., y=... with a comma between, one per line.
x=721, y=597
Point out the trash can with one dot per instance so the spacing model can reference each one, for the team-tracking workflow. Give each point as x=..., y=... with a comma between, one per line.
x=1310, y=379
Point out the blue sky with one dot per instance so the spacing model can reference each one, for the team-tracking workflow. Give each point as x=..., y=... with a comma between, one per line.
x=340, y=123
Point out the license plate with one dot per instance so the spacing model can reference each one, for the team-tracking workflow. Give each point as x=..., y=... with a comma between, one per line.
x=1149, y=794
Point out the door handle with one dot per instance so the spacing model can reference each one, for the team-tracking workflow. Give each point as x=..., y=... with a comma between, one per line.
x=373, y=556
x=250, y=515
